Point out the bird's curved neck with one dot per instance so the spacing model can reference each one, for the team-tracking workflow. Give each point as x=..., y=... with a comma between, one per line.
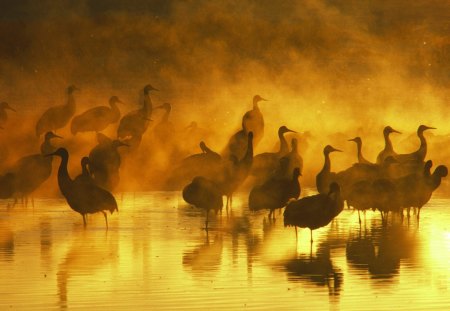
x=423, y=145
x=64, y=179
x=327, y=163
x=284, y=148
x=46, y=147
x=166, y=115
x=435, y=181
x=255, y=105
x=361, y=158
x=387, y=142
x=148, y=106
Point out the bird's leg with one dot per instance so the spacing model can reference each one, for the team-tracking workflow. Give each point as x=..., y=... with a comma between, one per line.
x=311, y=235
x=207, y=220
x=408, y=212
x=32, y=201
x=359, y=217
x=418, y=214
x=84, y=220
x=106, y=219
x=296, y=235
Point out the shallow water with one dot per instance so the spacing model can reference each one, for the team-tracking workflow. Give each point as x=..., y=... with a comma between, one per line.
x=156, y=254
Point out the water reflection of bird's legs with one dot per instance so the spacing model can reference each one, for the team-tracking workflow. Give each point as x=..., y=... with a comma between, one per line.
x=106, y=219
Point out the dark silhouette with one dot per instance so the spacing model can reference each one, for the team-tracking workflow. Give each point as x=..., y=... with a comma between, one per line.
x=388, y=149
x=325, y=176
x=360, y=156
x=57, y=117
x=83, y=197
x=3, y=114
x=275, y=193
x=96, y=119
x=294, y=158
x=314, y=211
x=203, y=193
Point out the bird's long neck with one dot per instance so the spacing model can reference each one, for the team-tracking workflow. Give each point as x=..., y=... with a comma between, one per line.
x=327, y=164
x=338, y=205
x=64, y=180
x=115, y=112
x=248, y=157
x=387, y=142
x=284, y=148
x=422, y=151
x=148, y=106
x=255, y=105
x=166, y=115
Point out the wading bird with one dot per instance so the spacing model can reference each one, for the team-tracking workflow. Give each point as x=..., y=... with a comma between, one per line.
x=96, y=119
x=83, y=197
x=314, y=211
x=57, y=117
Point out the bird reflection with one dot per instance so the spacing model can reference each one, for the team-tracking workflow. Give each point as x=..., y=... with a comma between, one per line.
x=316, y=269
x=206, y=256
x=6, y=242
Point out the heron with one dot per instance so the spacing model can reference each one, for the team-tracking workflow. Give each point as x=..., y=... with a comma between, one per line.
x=57, y=117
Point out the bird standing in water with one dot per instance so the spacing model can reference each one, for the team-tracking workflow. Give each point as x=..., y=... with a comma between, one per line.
x=3, y=114
x=314, y=211
x=57, y=117
x=83, y=196
x=96, y=119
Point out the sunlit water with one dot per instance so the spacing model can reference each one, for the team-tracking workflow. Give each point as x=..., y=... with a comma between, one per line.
x=156, y=255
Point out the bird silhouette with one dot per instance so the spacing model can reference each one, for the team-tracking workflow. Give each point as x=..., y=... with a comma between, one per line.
x=294, y=158
x=361, y=158
x=33, y=170
x=83, y=197
x=388, y=148
x=104, y=162
x=265, y=163
x=205, y=194
x=3, y=114
x=57, y=117
x=275, y=193
x=325, y=176
x=419, y=155
x=314, y=211
x=134, y=124
x=96, y=119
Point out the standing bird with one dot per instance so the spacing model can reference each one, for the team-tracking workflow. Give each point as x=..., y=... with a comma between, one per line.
x=253, y=120
x=275, y=193
x=314, y=211
x=265, y=163
x=33, y=170
x=58, y=116
x=419, y=155
x=388, y=149
x=134, y=124
x=104, y=163
x=325, y=176
x=203, y=193
x=83, y=196
x=3, y=115
x=360, y=156
x=96, y=119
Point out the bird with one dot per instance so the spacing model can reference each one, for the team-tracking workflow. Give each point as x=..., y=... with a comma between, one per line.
x=205, y=194
x=253, y=120
x=104, y=162
x=57, y=117
x=314, y=211
x=134, y=124
x=96, y=119
x=3, y=114
x=236, y=171
x=275, y=193
x=294, y=158
x=33, y=170
x=265, y=163
x=325, y=176
x=83, y=197
x=419, y=155
x=415, y=190
x=361, y=158
x=388, y=148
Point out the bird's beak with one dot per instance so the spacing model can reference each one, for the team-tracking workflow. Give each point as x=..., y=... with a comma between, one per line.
x=334, y=149
x=395, y=131
x=266, y=100
x=429, y=128
x=289, y=130
x=353, y=139
x=10, y=108
x=57, y=136
x=120, y=102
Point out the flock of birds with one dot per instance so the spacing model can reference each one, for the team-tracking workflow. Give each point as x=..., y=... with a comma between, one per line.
x=391, y=184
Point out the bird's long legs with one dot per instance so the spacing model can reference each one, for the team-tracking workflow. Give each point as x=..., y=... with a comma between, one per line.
x=84, y=219
x=106, y=219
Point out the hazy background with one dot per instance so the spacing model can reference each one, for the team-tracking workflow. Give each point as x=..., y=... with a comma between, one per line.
x=334, y=69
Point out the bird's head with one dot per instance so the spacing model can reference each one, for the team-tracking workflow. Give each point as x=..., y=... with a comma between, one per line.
x=388, y=130
x=5, y=105
x=148, y=88
x=115, y=100
x=203, y=146
x=422, y=128
x=257, y=99
x=283, y=129
x=441, y=171
x=50, y=135
x=356, y=140
x=60, y=152
x=328, y=149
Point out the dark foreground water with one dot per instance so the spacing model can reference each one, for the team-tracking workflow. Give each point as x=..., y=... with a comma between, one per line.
x=156, y=256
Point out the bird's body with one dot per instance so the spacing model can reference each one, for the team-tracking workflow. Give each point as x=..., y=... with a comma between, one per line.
x=83, y=197
x=265, y=163
x=96, y=119
x=325, y=177
x=6, y=185
x=388, y=148
x=203, y=193
x=275, y=193
x=3, y=114
x=57, y=117
x=314, y=211
x=32, y=170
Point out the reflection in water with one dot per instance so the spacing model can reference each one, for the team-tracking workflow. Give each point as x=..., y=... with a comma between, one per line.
x=206, y=256
x=6, y=242
x=45, y=228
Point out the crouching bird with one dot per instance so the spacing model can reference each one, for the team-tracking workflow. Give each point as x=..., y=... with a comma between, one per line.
x=314, y=211
x=82, y=195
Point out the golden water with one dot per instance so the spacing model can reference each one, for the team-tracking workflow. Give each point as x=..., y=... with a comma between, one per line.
x=156, y=256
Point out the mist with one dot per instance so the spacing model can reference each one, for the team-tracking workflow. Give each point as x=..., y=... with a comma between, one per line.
x=331, y=70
